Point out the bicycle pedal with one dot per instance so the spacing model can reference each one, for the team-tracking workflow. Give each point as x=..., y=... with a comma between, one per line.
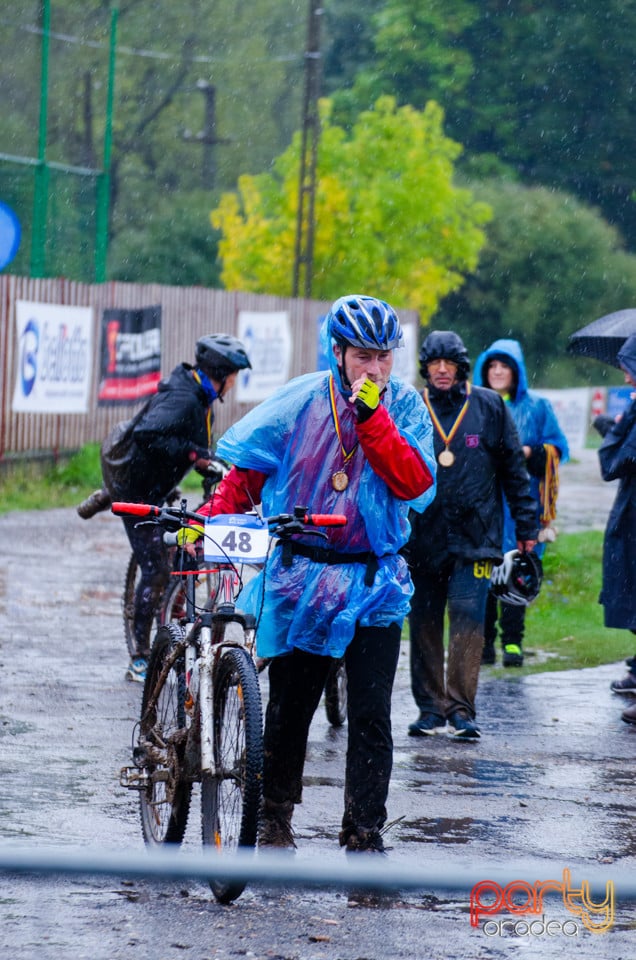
x=132, y=779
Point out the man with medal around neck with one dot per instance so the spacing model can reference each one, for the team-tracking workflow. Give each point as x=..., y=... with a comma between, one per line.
x=352, y=440
x=454, y=545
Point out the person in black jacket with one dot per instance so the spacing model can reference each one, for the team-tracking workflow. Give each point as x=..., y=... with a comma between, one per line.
x=455, y=543
x=171, y=435
x=617, y=456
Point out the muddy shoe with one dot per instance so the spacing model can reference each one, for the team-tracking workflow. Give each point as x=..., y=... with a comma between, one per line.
x=629, y=715
x=275, y=829
x=626, y=685
x=98, y=501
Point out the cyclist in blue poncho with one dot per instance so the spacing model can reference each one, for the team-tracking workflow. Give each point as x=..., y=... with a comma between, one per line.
x=356, y=441
x=502, y=368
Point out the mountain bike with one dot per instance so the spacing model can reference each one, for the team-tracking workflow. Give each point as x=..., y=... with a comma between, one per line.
x=209, y=480
x=201, y=714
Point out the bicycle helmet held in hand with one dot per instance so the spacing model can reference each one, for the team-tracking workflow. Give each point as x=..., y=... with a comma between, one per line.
x=366, y=322
x=220, y=354
x=517, y=580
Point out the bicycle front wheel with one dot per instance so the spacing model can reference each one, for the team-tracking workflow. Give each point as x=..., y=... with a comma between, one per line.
x=231, y=796
x=165, y=801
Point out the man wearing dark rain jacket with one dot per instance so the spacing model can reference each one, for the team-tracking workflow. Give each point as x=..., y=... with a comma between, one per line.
x=454, y=544
x=617, y=456
x=145, y=458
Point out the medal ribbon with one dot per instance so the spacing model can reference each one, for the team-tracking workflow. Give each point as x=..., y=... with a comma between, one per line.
x=208, y=415
x=447, y=437
x=336, y=423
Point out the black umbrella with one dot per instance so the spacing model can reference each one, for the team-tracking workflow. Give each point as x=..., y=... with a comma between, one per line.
x=603, y=338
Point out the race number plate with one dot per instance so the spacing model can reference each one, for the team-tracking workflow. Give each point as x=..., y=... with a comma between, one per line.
x=235, y=538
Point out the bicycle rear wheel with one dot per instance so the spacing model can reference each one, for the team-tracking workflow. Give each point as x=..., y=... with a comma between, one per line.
x=336, y=694
x=165, y=802
x=131, y=581
x=231, y=797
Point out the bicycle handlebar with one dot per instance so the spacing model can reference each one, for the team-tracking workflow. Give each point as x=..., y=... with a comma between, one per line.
x=176, y=515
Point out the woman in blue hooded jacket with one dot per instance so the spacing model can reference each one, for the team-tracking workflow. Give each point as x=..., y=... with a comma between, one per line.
x=502, y=368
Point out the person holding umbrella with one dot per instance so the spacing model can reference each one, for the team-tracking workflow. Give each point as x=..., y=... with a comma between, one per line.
x=617, y=456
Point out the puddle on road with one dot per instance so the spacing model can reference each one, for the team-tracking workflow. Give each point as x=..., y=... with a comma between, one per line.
x=13, y=728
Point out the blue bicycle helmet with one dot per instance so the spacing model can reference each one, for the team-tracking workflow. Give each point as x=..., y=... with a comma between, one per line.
x=364, y=322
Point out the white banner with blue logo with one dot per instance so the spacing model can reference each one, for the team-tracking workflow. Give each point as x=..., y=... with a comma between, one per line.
x=55, y=352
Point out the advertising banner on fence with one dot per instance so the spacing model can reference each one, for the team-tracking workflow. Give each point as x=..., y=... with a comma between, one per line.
x=130, y=355
x=54, y=358
x=267, y=339
x=572, y=409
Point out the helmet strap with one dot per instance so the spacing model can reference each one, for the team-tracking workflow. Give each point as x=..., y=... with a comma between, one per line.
x=346, y=382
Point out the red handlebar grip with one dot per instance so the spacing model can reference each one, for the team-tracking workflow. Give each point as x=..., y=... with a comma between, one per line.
x=135, y=509
x=325, y=519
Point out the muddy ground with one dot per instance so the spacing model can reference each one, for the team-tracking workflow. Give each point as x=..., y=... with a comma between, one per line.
x=551, y=780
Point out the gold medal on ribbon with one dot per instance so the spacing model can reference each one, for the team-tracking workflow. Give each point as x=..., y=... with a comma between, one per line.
x=339, y=480
x=446, y=458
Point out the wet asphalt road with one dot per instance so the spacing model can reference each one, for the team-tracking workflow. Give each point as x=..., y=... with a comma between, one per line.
x=551, y=780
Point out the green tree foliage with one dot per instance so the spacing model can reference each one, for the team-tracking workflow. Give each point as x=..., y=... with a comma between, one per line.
x=389, y=218
x=545, y=88
x=168, y=54
x=549, y=266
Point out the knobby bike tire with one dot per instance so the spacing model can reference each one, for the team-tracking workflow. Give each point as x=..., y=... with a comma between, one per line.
x=336, y=694
x=165, y=802
x=231, y=798
x=131, y=580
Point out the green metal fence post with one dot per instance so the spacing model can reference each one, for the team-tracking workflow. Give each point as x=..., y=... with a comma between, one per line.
x=41, y=191
x=103, y=181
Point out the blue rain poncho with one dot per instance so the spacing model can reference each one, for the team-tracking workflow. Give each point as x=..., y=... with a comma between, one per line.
x=291, y=438
x=534, y=418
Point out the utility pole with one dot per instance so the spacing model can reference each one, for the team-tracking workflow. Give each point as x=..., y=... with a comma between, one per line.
x=305, y=222
x=208, y=136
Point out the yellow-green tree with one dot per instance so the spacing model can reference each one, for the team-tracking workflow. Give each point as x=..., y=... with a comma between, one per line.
x=390, y=221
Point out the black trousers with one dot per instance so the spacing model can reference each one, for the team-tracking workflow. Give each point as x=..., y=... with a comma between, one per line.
x=151, y=554
x=512, y=622
x=296, y=682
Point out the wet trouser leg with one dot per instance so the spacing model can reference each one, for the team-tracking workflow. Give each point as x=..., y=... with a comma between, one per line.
x=296, y=683
x=512, y=623
x=152, y=556
x=371, y=661
x=426, y=623
x=467, y=593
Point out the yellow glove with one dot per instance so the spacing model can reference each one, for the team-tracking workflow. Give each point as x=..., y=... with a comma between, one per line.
x=189, y=534
x=368, y=400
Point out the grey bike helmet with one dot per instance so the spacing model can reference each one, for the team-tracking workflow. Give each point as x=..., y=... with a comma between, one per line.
x=517, y=580
x=220, y=354
x=365, y=322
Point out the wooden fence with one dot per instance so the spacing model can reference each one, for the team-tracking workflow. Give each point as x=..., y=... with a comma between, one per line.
x=187, y=314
